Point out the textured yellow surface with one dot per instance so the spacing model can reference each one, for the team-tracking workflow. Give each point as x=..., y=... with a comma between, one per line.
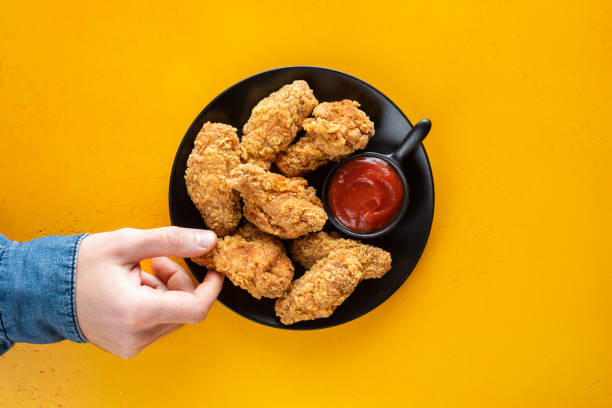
x=511, y=303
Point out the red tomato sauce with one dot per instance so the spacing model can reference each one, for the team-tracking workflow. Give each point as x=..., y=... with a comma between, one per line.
x=365, y=194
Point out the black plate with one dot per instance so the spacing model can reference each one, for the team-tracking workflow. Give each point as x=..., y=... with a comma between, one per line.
x=406, y=242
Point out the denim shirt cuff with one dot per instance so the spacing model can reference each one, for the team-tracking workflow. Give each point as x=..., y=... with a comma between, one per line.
x=37, y=291
x=5, y=343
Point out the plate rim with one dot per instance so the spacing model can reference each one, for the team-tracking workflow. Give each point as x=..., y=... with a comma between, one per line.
x=395, y=287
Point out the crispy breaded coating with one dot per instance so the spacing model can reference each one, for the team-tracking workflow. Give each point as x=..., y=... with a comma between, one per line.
x=338, y=129
x=214, y=155
x=253, y=260
x=322, y=288
x=285, y=207
x=274, y=122
x=313, y=247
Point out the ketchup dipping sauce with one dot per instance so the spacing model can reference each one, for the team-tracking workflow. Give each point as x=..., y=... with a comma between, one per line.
x=365, y=194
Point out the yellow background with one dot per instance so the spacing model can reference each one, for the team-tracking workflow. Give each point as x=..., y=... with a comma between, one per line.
x=509, y=306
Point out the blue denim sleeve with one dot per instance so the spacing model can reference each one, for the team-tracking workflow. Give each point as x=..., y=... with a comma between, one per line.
x=37, y=299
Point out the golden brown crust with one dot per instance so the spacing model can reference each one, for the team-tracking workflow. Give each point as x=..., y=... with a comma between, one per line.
x=313, y=247
x=214, y=155
x=275, y=121
x=338, y=129
x=322, y=288
x=253, y=260
x=285, y=207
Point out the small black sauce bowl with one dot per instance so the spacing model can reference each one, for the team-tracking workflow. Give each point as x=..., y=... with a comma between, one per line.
x=414, y=137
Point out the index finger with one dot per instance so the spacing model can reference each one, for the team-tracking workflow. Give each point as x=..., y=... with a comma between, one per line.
x=184, y=307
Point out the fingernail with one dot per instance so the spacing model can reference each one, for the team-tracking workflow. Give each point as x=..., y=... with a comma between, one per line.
x=206, y=239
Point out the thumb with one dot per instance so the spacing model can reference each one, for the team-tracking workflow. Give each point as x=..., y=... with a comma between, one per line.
x=134, y=245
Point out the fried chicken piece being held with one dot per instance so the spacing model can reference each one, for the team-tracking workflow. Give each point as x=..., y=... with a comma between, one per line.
x=253, y=260
x=322, y=288
x=281, y=206
x=309, y=249
x=337, y=130
x=274, y=123
x=214, y=155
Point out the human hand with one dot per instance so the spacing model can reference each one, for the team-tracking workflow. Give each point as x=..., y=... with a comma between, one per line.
x=123, y=309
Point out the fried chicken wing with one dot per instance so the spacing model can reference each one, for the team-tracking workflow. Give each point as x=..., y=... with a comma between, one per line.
x=214, y=155
x=285, y=207
x=253, y=260
x=313, y=247
x=322, y=288
x=337, y=130
x=274, y=122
